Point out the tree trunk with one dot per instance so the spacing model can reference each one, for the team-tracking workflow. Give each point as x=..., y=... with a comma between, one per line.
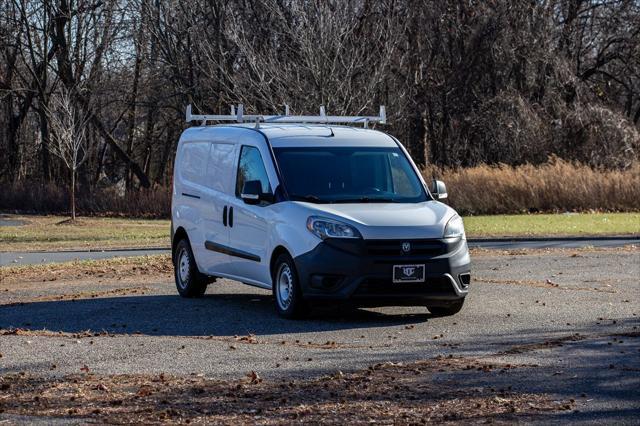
x=44, y=148
x=132, y=116
x=108, y=137
x=73, y=195
x=167, y=149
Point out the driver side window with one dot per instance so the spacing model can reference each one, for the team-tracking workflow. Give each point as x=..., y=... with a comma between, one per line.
x=251, y=167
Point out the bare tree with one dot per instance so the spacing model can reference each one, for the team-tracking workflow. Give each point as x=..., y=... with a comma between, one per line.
x=465, y=83
x=68, y=137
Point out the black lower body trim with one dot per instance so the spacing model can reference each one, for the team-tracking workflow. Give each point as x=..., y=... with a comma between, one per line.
x=210, y=245
x=340, y=271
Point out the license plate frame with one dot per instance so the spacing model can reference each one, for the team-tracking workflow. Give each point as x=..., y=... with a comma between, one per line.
x=404, y=274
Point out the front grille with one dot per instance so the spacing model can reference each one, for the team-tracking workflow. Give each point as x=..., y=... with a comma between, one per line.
x=394, y=247
x=381, y=286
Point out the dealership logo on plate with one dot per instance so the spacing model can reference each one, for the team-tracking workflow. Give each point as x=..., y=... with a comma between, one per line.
x=408, y=270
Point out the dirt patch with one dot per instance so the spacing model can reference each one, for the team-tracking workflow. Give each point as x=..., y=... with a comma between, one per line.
x=530, y=283
x=48, y=333
x=568, y=252
x=547, y=344
x=148, y=266
x=389, y=393
x=543, y=284
x=85, y=295
x=233, y=341
x=73, y=222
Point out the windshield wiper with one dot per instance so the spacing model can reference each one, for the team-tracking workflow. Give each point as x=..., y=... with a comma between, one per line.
x=309, y=198
x=367, y=200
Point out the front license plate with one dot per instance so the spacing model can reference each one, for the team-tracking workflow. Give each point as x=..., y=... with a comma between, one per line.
x=408, y=273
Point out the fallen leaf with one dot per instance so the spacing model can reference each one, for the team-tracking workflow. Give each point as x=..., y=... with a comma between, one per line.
x=144, y=391
x=255, y=378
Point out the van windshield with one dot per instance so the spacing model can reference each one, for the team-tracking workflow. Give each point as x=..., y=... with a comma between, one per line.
x=349, y=175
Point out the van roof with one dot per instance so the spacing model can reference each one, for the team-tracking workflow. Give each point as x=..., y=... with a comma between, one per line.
x=296, y=135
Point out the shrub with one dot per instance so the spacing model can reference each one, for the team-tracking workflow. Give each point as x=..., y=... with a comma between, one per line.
x=551, y=187
x=51, y=198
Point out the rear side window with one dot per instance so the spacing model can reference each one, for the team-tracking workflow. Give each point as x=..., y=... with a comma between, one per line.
x=194, y=161
x=220, y=166
x=251, y=167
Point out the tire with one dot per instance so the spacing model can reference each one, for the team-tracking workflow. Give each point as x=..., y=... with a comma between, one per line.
x=445, y=311
x=286, y=289
x=189, y=281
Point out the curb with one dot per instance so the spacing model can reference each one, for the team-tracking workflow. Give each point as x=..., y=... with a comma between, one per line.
x=107, y=250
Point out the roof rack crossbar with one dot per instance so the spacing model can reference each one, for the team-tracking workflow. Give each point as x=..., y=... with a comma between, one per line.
x=238, y=116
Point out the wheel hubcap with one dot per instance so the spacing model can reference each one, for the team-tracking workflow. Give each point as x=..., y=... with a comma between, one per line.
x=184, y=269
x=285, y=286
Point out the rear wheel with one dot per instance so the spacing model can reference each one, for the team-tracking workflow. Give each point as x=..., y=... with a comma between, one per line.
x=189, y=281
x=286, y=289
x=445, y=311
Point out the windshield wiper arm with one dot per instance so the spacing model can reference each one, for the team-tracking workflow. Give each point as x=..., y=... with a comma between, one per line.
x=367, y=200
x=309, y=198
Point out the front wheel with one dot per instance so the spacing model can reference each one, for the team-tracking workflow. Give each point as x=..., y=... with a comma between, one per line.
x=189, y=281
x=286, y=289
x=445, y=311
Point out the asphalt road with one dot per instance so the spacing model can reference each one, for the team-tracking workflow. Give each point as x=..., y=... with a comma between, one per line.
x=10, y=222
x=569, y=321
x=29, y=258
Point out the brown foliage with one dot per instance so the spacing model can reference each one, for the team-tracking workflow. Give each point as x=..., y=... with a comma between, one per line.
x=557, y=185
x=52, y=198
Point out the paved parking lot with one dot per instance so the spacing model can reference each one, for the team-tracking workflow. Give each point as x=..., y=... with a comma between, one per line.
x=568, y=319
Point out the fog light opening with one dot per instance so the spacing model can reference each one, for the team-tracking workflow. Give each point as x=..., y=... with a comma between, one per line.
x=465, y=279
x=326, y=282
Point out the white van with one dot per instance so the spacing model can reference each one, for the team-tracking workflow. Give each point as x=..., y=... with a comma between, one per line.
x=314, y=212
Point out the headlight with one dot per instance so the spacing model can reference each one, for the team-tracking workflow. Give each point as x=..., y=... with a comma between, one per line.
x=454, y=228
x=329, y=228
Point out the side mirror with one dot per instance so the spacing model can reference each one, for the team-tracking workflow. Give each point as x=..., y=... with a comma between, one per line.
x=439, y=190
x=252, y=193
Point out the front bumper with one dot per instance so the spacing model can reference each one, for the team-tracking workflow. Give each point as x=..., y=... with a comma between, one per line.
x=361, y=271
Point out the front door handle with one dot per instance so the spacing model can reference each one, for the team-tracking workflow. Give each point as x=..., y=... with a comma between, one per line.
x=224, y=216
x=231, y=217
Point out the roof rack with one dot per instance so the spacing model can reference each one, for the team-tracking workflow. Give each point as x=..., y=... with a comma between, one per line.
x=239, y=117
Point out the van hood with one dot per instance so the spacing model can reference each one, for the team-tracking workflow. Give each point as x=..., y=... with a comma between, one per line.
x=389, y=220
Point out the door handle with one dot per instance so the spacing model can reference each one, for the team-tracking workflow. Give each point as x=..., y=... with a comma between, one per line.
x=224, y=216
x=231, y=217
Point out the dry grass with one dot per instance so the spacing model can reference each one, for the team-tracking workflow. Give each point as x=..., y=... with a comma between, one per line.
x=55, y=232
x=46, y=233
x=569, y=224
x=556, y=186
x=552, y=187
